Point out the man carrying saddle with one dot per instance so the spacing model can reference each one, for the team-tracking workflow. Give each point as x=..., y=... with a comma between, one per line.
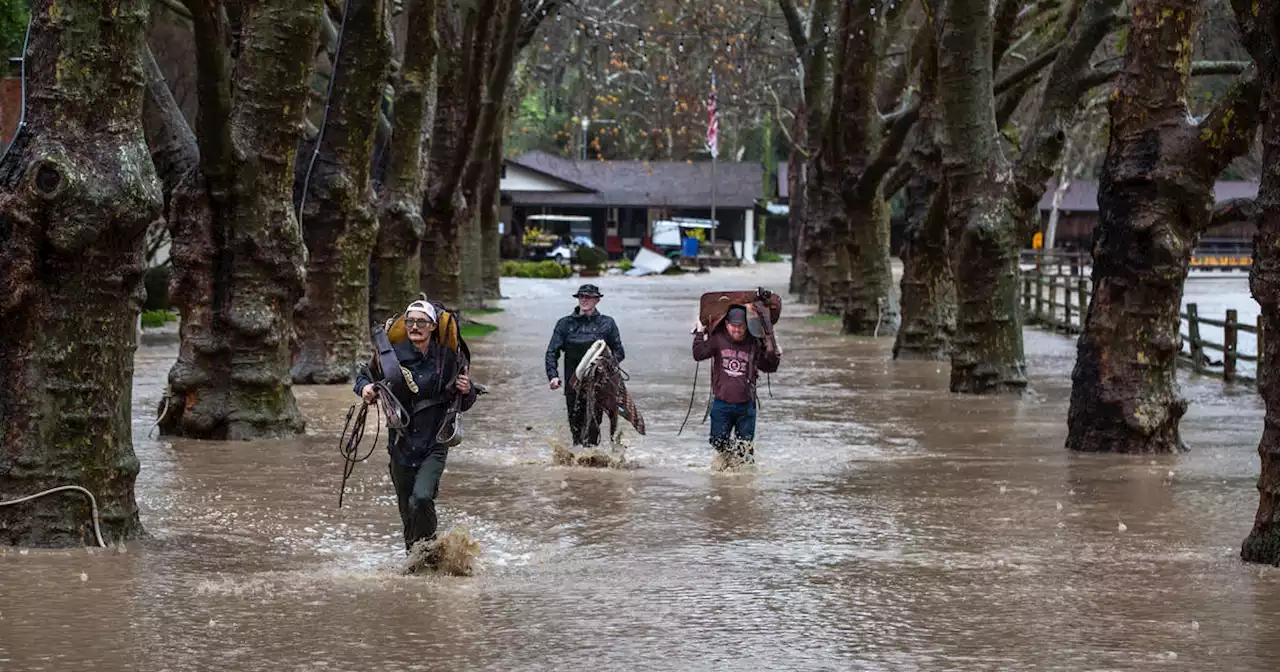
x=740, y=344
x=422, y=384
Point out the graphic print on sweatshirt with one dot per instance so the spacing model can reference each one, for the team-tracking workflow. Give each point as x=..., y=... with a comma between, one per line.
x=735, y=362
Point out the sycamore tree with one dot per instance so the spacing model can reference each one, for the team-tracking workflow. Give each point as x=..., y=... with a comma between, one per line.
x=77, y=194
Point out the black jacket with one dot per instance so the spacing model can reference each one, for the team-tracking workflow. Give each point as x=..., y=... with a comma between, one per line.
x=433, y=373
x=574, y=334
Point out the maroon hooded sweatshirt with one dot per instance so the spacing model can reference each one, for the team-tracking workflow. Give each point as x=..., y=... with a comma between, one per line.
x=735, y=365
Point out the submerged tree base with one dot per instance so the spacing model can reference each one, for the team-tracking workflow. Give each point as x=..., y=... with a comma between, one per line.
x=1262, y=547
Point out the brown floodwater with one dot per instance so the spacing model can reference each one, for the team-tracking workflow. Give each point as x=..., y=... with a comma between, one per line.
x=890, y=526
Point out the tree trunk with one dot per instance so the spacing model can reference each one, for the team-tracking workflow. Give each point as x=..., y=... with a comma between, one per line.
x=870, y=307
x=1155, y=198
x=237, y=251
x=397, y=264
x=824, y=219
x=337, y=214
x=79, y=192
x=468, y=222
x=1261, y=31
x=810, y=209
x=799, y=280
x=491, y=204
x=441, y=271
x=928, y=287
x=987, y=353
x=864, y=282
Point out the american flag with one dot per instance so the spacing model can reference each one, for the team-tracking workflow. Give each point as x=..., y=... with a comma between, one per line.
x=713, y=124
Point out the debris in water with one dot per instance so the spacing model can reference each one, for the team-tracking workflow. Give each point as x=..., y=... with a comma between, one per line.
x=84, y=577
x=452, y=553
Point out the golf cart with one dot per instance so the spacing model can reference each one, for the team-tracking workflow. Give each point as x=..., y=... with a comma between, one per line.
x=548, y=245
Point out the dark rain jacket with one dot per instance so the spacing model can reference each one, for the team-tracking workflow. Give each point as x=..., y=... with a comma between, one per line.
x=433, y=373
x=574, y=335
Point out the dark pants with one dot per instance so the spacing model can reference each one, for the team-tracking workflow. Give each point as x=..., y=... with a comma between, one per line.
x=416, y=491
x=583, y=436
x=740, y=419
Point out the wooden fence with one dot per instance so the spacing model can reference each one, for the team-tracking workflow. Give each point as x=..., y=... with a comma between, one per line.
x=1055, y=295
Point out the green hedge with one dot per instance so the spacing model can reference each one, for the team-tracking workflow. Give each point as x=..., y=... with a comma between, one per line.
x=535, y=269
x=767, y=257
x=157, y=318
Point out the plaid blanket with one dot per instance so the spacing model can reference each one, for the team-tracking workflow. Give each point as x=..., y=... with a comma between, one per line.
x=602, y=390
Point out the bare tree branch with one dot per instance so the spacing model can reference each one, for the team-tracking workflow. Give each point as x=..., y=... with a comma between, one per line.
x=1105, y=75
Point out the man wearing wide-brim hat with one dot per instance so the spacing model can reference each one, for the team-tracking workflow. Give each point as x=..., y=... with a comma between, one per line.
x=573, y=335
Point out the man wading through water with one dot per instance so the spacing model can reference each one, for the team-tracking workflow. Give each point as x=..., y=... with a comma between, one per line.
x=432, y=378
x=573, y=335
x=738, y=357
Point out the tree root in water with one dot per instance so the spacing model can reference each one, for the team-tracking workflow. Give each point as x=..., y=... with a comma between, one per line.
x=452, y=553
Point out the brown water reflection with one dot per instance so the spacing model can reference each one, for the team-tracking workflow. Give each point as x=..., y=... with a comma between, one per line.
x=891, y=526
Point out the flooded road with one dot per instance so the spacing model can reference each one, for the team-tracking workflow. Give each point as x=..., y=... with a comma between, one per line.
x=891, y=526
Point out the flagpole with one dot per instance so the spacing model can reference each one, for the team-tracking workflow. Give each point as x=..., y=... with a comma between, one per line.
x=713, y=195
x=715, y=152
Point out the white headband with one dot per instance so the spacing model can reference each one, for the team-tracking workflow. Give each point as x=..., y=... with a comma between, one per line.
x=422, y=307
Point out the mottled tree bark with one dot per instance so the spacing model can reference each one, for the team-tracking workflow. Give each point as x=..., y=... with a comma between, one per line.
x=472, y=257
x=1155, y=199
x=441, y=270
x=395, y=273
x=237, y=250
x=490, y=201
x=78, y=193
x=928, y=287
x=1261, y=30
x=811, y=47
x=842, y=224
x=799, y=281
x=338, y=218
x=987, y=350
x=475, y=72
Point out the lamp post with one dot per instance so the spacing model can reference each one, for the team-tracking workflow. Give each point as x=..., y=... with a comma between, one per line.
x=586, y=123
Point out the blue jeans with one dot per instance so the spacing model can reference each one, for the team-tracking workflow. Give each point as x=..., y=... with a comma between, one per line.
x=726, y=417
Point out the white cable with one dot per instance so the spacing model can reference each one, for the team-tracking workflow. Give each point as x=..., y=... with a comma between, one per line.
x=97, y=531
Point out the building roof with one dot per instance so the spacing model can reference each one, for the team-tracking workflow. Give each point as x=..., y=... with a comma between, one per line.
x=1082, y=195
x=677, y=184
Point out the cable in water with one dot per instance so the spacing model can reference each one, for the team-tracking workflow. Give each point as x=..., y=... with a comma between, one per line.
x=93, y=503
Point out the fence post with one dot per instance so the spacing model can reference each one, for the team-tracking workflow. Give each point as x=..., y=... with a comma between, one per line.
x=1082, y=295
x=1066, y=305
x=1039, y=295
x=1229, y=347
x=1053, y=300
x=1193, y=332
x=1026, y=293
